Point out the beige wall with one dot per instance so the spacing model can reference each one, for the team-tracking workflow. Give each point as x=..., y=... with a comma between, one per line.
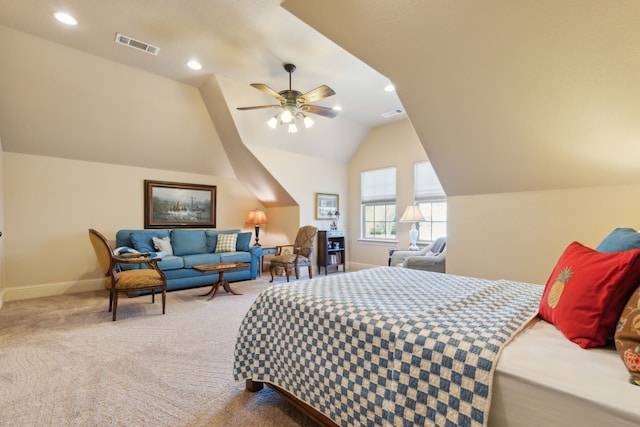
x=515, y=236
x=303, y=176
x=52, y=203
x=2, y=265
x=520, y=236
x=396, y=145
x=65, y=103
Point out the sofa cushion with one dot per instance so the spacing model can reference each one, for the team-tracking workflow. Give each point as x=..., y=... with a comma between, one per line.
x=171, y=263
x=208, y=258
x=143, y=240
x=238, y=256
x=188, y=242
x=212, y=239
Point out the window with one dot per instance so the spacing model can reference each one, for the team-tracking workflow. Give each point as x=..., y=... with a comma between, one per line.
x=430, y=197
x=435, y=225
x=378, y=201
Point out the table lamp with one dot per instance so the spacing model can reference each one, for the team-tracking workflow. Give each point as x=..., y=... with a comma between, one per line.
x=413, y=214
x=257, y=217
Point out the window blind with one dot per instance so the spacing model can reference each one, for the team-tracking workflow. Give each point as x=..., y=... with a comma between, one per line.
x=426, y=185
x=378, y=186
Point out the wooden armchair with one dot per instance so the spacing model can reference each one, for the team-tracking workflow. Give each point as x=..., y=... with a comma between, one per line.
x=149, y=278
x=300, y=254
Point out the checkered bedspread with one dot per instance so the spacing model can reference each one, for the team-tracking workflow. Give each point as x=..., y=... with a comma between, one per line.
x=385, y=346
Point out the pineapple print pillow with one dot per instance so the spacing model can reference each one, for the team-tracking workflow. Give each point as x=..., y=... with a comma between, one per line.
x=587, y=291
x=627, y=337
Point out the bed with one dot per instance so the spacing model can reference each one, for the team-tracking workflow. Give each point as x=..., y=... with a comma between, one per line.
x=392, y=346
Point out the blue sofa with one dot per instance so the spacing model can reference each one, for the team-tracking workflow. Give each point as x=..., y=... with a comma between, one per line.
x=192, y=247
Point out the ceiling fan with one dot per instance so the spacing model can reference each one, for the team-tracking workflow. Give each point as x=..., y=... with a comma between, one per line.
x=294, y=103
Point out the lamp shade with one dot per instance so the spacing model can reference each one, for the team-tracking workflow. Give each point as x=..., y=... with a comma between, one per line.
x=412, y=214
x=257, y=217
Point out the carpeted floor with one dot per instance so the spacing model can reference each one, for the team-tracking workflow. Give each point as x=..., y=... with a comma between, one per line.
x=63, y=362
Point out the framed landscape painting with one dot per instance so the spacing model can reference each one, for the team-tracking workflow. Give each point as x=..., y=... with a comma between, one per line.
x=326, y=205
x=177, y=205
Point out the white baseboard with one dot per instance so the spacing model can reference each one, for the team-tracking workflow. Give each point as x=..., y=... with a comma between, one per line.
x=50, y=289
x=355, y=266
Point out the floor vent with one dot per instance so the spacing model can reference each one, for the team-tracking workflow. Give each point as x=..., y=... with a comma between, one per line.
x=137, y=44
x=391, y=113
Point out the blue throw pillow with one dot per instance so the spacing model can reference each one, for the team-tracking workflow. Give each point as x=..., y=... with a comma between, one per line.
x=142, y=241
x=619, y=240
x=243, y=241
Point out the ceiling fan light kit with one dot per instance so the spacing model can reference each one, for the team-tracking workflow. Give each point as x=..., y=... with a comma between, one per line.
x=295, y=104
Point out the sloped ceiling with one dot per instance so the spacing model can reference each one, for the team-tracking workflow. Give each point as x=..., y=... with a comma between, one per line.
x=237, y=41
x=505, y=95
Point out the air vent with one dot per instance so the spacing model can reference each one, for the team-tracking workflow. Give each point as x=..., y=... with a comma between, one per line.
x=391, y=113
x=137, y=44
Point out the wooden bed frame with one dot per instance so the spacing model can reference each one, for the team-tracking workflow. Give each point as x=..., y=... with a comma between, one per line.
x=318, y=417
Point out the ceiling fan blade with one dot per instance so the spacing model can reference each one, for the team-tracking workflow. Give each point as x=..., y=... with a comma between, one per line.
x=257, y=107
x=322, y=111
x=321, y=92
x=266, y=89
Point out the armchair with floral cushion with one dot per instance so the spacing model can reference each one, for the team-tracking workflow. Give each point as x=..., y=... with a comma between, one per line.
x=300, y=254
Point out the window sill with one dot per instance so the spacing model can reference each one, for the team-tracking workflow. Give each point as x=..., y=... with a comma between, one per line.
x=380, y=242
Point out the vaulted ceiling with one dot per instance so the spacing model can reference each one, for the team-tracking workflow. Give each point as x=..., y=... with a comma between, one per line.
x=238, y=41
x=504, y=96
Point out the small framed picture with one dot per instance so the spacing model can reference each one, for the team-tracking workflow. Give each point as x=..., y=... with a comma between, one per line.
x=326, y=205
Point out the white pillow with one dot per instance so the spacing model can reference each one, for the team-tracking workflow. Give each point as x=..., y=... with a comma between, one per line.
x=226, y=242
x=163, y=245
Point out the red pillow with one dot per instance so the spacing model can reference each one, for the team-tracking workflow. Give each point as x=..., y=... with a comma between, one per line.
x=587, y=291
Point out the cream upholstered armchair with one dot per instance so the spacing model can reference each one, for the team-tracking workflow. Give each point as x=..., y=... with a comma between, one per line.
x=149, y=278
x=431, y=258
x=300, y=254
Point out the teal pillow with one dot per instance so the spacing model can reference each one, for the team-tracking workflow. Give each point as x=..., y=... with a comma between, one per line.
x=188, y=242
x=243, y=241
x=142, y=240
x=619, y=240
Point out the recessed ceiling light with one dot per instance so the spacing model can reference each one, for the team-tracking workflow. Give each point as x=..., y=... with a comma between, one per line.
x=194, y=65
x=389, y=88
x=65, y=18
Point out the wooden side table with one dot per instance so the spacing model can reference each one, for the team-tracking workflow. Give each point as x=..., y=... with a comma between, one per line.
x=265, y=251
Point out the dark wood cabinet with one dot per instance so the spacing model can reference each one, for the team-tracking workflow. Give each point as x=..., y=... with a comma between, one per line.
x=331, y=251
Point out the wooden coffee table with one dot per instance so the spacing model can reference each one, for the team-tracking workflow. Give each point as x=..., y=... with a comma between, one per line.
x=220, y=268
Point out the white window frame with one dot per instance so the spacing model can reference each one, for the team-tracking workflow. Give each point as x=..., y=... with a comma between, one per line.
x=428, y=193
x=378, y=199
